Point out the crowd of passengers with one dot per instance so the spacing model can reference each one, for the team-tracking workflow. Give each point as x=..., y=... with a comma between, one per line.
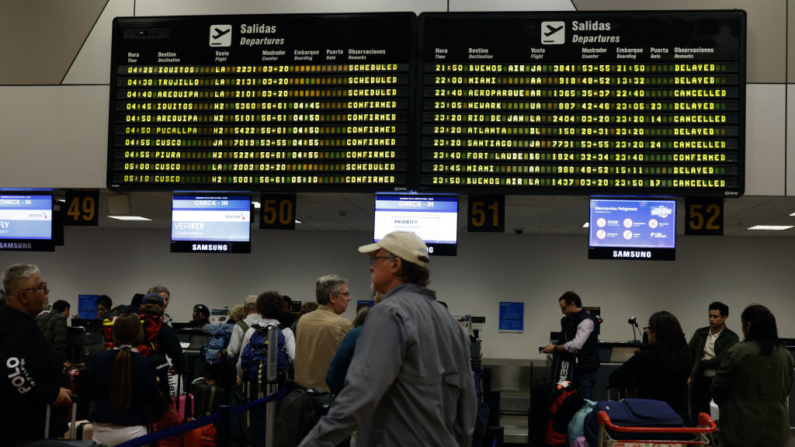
x=400, y=370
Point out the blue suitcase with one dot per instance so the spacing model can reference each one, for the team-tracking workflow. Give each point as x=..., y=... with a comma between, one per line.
x=635, y=413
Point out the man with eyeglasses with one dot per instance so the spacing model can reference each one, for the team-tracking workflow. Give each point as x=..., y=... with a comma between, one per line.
x=32, y=374
x=410, y=381
x=320, y=333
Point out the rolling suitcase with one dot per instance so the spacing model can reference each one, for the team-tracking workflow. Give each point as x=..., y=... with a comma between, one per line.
x=77, y=374
x=183, y=403
x=72, y=442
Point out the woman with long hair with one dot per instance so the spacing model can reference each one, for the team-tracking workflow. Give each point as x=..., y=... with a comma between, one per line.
x=752, y=384
x=660, y=369
x=124, y=386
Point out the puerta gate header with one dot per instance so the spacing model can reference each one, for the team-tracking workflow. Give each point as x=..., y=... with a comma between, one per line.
x=639, y=103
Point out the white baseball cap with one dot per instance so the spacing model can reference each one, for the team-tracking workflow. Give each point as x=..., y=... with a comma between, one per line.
x=403, y=244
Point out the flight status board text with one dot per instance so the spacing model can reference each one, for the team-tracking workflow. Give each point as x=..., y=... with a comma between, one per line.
x=586, y=103
x=297, y=103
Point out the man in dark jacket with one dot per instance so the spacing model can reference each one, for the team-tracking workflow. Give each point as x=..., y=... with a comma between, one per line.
x=708, y=347
x=32, y=375
x=579, y=336
x=53, y=326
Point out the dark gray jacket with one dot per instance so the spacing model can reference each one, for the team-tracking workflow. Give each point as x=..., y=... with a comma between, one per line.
x=410, y=382
x=751, y=391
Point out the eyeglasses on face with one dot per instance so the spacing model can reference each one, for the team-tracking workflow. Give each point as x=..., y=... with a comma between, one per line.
x=346, y=294
x=374, y=259
x=42, y=286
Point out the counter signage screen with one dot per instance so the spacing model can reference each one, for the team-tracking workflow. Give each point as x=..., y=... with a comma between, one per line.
x=278, y=102
x=26, y=223
x=211, y=224
x=583, y=103
x=433, y=218
x=632, y=229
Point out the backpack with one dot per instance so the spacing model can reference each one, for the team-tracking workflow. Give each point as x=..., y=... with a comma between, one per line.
x=552, y=437
x=207, y=395
x=298, y=413
x=152, y=324
x=221, y=334
x=243, y=325
x=254, y=359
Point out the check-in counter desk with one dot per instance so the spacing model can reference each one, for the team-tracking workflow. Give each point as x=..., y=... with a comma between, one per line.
x=611, y=356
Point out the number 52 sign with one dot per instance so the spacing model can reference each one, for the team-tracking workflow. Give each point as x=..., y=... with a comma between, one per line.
x=704, y=217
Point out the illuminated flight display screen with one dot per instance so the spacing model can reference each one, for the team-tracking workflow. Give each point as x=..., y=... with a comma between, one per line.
x=265, y=102
x=584, y=103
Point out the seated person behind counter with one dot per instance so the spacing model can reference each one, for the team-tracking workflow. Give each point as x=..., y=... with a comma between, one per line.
x=660, y=369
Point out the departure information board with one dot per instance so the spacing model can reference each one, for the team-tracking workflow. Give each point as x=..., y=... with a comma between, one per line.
x=584, y=103
x=262, y=102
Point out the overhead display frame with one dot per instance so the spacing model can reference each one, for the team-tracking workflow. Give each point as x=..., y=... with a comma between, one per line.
x=262, y=102
x=649, y=102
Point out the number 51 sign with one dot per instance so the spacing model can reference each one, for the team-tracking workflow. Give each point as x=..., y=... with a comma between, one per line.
x=486, y=214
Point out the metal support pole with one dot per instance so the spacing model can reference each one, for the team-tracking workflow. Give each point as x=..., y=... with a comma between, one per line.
x=273, y=387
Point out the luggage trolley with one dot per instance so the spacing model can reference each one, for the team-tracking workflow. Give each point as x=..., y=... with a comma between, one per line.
x=700, y=438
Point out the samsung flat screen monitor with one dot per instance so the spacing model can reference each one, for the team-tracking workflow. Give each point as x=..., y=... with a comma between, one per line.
x=211, y=224
x=433, y=218
x=26, y=223
x=632, y=229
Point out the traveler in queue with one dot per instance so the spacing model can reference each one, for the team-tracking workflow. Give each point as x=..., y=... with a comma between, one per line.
x=321, y=332
x=660, y=369
x=410, y=380
x=753, y=383
x=166, y=342
x=123, y=383
x=32, y=375
x=166, y=295
x=52, y=325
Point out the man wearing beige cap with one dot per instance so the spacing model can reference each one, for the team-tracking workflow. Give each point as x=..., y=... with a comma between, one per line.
x=410, y=382
x=252, y=318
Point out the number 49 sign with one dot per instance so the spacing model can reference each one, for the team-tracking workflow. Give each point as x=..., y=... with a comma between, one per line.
x=81, y=208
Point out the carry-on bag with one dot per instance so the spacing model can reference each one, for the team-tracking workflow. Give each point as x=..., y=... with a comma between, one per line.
x=298, y=413
x=72, y=442
x=635, y=413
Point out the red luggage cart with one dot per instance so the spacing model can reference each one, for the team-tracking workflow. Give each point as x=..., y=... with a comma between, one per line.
x=700, y=434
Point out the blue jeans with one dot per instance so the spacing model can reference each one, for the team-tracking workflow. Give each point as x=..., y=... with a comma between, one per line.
x=584, y=382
